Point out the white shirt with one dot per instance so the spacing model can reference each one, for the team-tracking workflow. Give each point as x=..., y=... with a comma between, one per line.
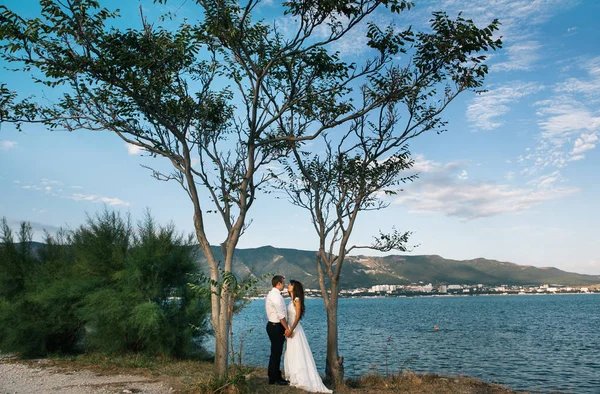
x=275, y=306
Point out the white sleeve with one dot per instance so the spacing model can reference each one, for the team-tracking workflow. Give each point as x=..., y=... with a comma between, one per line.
x=281, y=314
x=270, y=306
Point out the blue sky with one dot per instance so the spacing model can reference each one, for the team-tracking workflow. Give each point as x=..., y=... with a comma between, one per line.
x=515, y=177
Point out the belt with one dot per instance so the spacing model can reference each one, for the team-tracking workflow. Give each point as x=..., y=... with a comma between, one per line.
x=274, y=323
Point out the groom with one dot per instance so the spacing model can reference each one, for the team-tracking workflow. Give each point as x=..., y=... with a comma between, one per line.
x=277, y=328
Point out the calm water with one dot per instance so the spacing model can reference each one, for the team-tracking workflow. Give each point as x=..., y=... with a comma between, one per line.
x=540, y=343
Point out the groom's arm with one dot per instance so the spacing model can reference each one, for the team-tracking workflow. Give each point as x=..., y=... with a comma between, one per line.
x=281, y=314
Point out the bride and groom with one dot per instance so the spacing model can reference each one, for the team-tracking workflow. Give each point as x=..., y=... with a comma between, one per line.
x=284, y=324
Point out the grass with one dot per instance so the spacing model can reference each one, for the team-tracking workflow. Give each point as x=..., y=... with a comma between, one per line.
x=195, y=376
x=409, y=382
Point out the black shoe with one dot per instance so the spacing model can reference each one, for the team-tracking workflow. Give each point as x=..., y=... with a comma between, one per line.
x=280, y=382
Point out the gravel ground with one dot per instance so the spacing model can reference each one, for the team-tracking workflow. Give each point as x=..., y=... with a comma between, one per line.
x=38, y=378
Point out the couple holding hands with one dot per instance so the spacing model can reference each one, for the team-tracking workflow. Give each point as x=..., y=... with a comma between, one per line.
x=284, y=326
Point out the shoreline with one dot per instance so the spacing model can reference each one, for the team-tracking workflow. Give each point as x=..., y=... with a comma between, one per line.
x=440, y=295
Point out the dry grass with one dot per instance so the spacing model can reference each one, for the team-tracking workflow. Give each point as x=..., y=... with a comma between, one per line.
x=187, y=377
x=409, y=382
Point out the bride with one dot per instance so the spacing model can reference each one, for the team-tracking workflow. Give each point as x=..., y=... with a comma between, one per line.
x=298, y=361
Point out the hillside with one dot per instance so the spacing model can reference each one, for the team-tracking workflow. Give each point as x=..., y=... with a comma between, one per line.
x=366, y=271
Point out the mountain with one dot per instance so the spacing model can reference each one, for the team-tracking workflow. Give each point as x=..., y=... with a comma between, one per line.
x=366, y=271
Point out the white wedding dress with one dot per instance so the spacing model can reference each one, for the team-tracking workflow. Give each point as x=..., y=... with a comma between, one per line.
x=298, y=361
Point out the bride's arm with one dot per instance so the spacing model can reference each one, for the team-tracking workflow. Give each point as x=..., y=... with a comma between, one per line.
x=297, y=319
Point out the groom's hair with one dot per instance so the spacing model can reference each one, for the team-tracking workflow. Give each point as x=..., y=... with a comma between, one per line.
x=277, y=279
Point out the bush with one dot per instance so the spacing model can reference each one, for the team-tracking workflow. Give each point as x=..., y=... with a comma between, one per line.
x=103, y=287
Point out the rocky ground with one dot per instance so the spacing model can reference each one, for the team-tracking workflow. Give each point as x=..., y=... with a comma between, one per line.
x=104, y=375
x=38, y=377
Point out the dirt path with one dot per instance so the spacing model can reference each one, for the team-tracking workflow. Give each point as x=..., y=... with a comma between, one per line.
x=36, y=377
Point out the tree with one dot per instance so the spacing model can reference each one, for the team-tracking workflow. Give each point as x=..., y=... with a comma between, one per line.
x=167, y=91
x=16, y=259
x=137, y=296
x=370, y=159
x=103, y=287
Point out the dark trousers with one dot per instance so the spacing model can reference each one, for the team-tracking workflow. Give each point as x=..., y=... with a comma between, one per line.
x=275, y=331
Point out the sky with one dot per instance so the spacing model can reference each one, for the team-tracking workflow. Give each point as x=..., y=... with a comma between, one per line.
x=514, y=178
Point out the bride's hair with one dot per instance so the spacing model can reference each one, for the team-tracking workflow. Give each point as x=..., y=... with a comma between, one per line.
x=299, y=293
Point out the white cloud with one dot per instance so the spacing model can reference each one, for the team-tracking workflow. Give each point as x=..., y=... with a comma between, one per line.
x=590, y=86
x=113, y=201
x=134, y=149
x=76, y=187
x=495, y=103
x=584, y=143
x=354, y=42
x=477, y=200
x=48, y=189
x=521, y=56
x=6, y=145
x=577, y=158
x=512, y=13
x=509, y=176
x=99, y=199
x=546, y=181
x=463, y=175
x=83, y=197
x=562, y=120
x=45, y=181
x=520, y=30
x=422, y=165
x=519, y=19
x=31, y=187
x=575, y=85
x=438, y=191
x=569, y=121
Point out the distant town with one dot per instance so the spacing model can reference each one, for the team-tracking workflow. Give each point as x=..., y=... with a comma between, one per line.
x=420, y=289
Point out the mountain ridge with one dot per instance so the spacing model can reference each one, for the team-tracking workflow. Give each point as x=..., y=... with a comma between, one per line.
x=396, y=269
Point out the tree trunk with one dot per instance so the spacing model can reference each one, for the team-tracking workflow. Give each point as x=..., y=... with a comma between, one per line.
x=222, y=337
x=219, y=304
x=222, y=333
x=334, y=369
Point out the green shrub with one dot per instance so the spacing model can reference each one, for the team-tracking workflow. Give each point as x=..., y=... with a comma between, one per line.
x=102, y=287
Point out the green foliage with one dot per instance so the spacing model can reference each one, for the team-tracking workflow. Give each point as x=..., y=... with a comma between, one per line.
x=235, y=382
x=20, y=313
x=102, y=287
x=16, y=259
x=106, y=311
x=240, y=293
